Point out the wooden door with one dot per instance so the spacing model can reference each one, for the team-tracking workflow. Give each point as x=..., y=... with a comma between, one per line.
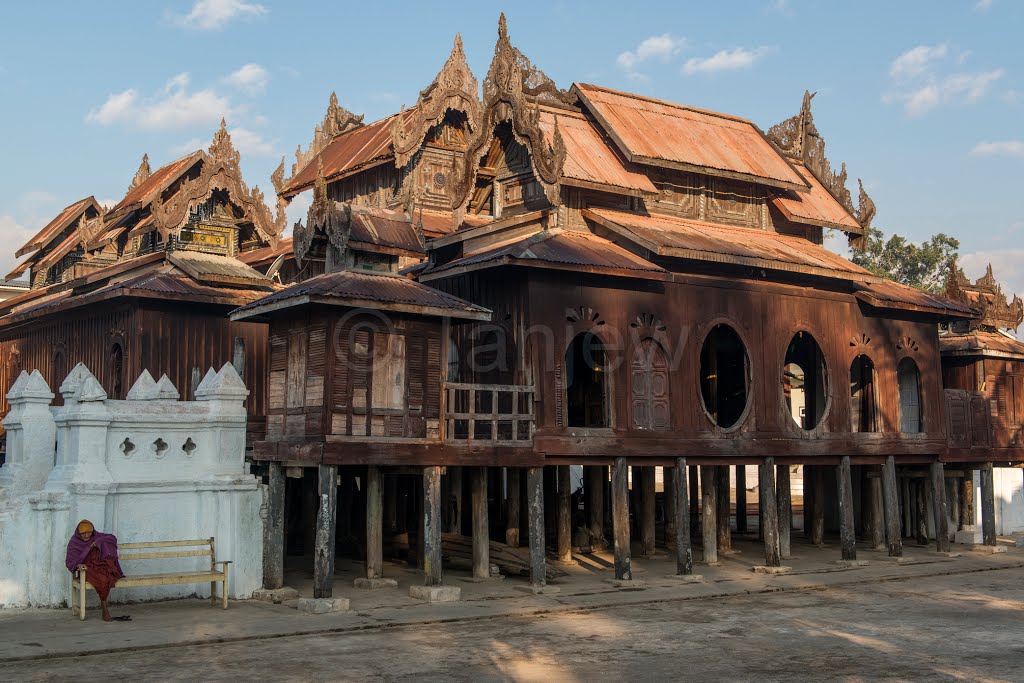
x=649, y=382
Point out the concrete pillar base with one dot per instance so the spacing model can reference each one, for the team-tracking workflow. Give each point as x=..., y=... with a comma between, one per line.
x=436, y=593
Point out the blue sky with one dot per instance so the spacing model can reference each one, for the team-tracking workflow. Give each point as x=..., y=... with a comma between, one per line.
x=923, y=100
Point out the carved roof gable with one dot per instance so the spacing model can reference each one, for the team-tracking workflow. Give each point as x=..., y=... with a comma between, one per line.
x=798, y=138
x=454, y=88
x=220, y=171
x=142, y=174
x=986, y=295
x=337, y=121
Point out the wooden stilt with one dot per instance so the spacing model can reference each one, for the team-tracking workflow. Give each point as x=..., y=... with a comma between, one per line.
x=681, y=508
x=694, y=481
x=417, y=494
x=907, y=505
x=921, y=503
x=481, y=535
x=769, y=512
x=808, y=483
x=563, y=549
x=988, y=505
x=953, y=501
x=620, y=520
x=550, y=502
x=847, y=534
x=709, y=513
x=741, y=499
x=273, y=529
x=512, y=503
x=430, y=539
x=724, y=508
x=668, y=484
x=938, y=480
x=818, y=514
x=390, y=504
x=454, y=502
x=374, y=524
x=595, y=506
x=784, y=501
x=967, y=518
x=647, y=512
x=876, y=514
x=890, y=492
x=326, y=521
x=535, y=521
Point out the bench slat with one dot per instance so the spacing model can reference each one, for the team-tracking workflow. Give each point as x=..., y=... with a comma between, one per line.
x=163, y=544
x=161, y=579
x=168, y=553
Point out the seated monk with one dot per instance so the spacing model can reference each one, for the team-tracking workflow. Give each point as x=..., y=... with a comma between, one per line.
x=96, y=553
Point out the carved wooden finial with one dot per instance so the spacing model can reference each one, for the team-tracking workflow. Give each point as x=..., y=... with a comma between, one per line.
x=142, y=174
x=986, y=295
x=502, y=27
x=221, y=148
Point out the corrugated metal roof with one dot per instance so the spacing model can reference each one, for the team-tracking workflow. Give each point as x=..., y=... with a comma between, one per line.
x=438, y=224
x=666, y=134
x=684, y=238
x=58, y=224
x=558, y=247
x=202, y=264
x=365, y=287
x=978, y=343
x=589, y=158
x=817, y=207
x=60, y=251
x=384, y=228
x=156, y=183
x=348, y=152
x=264, y=254
x=894, y=292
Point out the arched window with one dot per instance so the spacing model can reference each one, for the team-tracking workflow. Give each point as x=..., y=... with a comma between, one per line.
x=586, y=382
x=909, y=380
x=649, y=387
x=724, y=376
x=862, y=395
x=805, y=381
x=452, y=375
x=116, y=371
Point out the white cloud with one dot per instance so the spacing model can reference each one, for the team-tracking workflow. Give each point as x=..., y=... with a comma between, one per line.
x=14, y=235
x=214, y=15
x=187, y=147
x=1010, y=148
x=725, y=60
x=251, y=79
x=953, y=89
x=780, y=7
x=661, y=47
x=250, y=143
x=173, y=106
x=982, y=5
x=916, y=61
x=108, y=203
x=296, y=210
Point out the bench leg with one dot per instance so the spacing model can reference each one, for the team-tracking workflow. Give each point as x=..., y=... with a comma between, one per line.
x=213, y=593
x=81, y=596
x=224, y=585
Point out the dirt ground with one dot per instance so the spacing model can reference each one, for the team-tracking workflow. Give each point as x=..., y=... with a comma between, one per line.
x=957, y=627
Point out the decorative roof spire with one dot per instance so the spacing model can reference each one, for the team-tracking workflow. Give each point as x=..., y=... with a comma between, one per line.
x=986, y=295
x=142, y=174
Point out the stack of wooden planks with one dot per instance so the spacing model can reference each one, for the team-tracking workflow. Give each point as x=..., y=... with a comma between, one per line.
x=505, y=556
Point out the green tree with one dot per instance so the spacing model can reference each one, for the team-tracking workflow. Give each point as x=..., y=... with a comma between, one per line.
x=923, y=266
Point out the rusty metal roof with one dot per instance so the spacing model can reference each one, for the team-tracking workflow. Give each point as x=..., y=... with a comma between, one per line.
x=590, y=159
x=151, y=187
x=385, y=228
x=578, y=250
x=213, y=267
x=60, y=251
x=347, y=153
x=817, y=207
x=700, y=240
x=438, y=224
x=981, y=343
x=58, y=225
x=659, y=133
x=883, y=292
x=262, y=255
x=365, y=290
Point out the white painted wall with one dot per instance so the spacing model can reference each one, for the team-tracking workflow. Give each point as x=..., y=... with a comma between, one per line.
x=148, y=468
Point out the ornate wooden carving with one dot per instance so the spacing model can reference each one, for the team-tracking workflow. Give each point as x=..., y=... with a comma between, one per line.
x=337, y=121
x=454, y=88
x=997, y=312
x=220, y=172
x=142, y=174
x=861, y=340
x=797, y=137
x=513, y=90
x=324, y=215
x=907, y=344
x=89, y=229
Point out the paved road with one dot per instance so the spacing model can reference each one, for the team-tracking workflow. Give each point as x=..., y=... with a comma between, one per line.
x=959, y=627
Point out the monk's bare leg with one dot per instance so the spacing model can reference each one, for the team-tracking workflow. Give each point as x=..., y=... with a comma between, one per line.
x=106, y=612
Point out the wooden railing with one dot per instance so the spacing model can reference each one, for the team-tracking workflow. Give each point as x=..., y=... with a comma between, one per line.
x=488, y=414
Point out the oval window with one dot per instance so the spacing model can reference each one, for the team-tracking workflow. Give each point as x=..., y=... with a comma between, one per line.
x=805, y=381
x=724, y=376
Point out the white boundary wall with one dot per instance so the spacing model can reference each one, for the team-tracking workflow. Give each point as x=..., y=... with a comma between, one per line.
x=148, y=468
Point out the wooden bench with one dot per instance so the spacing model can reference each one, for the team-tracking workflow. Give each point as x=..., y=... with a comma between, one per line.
x=145, y=551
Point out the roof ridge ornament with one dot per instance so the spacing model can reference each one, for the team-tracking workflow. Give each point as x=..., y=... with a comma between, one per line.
x=986, y=295
x=324, y=215
x=454, y=88
x=221, y=171
x=798, y=138
x=513, y=91
x=142, y=174
x=337, y=121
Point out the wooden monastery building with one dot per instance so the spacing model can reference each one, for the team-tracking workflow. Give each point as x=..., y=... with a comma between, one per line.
x=490, y=289
x=148, y=283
